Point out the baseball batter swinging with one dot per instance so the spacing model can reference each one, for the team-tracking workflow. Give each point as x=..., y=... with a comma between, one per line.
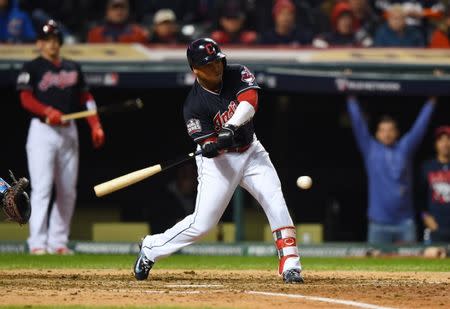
x=218, y=113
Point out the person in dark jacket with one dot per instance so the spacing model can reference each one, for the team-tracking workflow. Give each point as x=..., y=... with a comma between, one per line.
x=117, y=27
x=388, y=162
x=285, y=31
x=343, y=33
x=435, y=180
x=395, y=32
x=231, y=28
x=165, y=28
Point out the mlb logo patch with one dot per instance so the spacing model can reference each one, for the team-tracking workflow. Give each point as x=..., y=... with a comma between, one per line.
x=193, y=126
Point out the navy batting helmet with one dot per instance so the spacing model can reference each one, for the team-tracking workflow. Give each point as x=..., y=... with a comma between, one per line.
x=203, y=51
x=50, y=28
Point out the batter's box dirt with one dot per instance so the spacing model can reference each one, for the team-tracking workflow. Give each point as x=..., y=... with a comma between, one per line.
x=225, y=289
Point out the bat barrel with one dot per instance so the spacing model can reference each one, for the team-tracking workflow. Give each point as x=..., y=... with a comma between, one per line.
x=125, y=180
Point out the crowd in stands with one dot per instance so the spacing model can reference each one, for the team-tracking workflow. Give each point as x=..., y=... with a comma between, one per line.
x=317, y=23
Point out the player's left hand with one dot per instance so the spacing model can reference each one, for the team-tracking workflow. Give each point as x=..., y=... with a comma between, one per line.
x=210, y=150
x=225, y=138
x=430, y=222
x=98, y=137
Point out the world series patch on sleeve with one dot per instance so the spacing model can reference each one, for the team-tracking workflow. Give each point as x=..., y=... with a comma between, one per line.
x=193, y=126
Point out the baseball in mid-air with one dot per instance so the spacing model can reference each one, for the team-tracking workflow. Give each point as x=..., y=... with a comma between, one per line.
x=304, y=182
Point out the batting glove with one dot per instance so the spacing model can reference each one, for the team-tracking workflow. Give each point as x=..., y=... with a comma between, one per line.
x=53, y=116
x=225, y=137
x=210, y=150
x=98, y=137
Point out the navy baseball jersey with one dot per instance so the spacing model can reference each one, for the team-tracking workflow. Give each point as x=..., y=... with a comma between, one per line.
x=57, y=85
x=205, y=112
x=436, y=177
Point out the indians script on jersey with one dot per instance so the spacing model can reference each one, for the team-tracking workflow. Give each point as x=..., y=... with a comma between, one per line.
x=62, y=79
x=440, y=184
x=220, y=119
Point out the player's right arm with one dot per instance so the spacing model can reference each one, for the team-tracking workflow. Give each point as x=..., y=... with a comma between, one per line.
x=412, y=139
x=25, y=85
x=360, y=128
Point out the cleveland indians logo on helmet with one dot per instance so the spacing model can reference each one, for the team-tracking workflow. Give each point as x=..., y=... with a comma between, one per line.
x=210, y=49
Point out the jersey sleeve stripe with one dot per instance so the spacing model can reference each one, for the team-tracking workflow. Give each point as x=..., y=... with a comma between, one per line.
x=197, y=139
x=251, y=87
x=24, y=87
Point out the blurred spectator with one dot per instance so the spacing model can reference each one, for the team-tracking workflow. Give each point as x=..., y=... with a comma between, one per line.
x=440, y=38
x=165, y=28
x=435, y=180
x=285, y=30
x=416, y=11
x=117, y=27
x=73, y=16
x=15, y=25
x=395, y=32
x=231, y=25
x=342, y=21
x=365, y=21
x=388, y=162
x=187, y=12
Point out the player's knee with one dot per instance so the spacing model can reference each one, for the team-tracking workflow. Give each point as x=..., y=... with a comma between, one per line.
x=66, y=195
x=41, y=193
x=203, y=230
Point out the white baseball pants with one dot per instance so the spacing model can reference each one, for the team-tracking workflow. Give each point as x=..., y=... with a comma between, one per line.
x=217, y=181
x=52, y=160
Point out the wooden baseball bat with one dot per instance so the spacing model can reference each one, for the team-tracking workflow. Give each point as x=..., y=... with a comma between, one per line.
x=124, y=181
x=128, y=105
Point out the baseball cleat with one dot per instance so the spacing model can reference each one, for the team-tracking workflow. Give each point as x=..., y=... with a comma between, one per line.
x=293, y=276
x=142, y=265
x=38, y=251
x=62, y=251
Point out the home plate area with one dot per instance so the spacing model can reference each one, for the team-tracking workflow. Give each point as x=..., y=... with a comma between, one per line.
x=224, y=289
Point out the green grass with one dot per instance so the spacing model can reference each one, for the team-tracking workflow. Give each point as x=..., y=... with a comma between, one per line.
x=18, y=261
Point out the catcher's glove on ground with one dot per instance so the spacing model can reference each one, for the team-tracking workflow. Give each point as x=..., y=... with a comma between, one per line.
x=15, y=202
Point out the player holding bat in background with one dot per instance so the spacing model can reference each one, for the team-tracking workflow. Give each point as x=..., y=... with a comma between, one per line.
x=51, y=86
x=218, y=113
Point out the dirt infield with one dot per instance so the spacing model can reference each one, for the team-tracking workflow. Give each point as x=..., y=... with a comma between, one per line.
x=223, y=289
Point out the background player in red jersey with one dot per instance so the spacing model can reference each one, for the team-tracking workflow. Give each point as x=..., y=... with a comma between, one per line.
x=218, y=113
x=51, y=86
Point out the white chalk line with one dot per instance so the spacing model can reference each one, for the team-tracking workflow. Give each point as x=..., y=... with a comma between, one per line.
x=193, y=285
x=171, y=292
x=298, y=296
x=321, y=299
